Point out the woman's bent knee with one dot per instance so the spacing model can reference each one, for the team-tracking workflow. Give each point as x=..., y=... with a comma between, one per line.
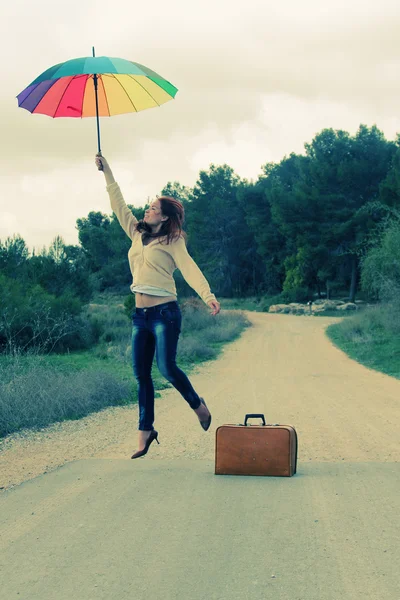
x=169, y=370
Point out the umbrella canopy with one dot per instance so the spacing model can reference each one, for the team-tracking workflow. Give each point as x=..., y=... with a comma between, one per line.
x=69, y=89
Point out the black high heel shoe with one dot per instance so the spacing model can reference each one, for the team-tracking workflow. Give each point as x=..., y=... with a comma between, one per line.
x=205, y=424
x=153, y=436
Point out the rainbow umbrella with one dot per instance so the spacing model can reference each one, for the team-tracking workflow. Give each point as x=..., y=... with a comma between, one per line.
x=95, y=87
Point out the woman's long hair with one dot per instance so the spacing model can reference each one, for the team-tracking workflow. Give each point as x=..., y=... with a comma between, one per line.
x=171, y=229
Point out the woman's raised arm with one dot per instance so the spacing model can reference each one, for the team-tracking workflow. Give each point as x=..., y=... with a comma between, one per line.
x=124, y=215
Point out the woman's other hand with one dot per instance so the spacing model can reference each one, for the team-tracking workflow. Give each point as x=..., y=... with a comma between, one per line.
x=215, y=306
x=102, y=165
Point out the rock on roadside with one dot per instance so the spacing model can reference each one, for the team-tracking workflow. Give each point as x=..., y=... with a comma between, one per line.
x=319, y=306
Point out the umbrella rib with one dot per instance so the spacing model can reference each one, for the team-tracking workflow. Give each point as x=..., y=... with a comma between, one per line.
x=100, y=78
x=130, y=99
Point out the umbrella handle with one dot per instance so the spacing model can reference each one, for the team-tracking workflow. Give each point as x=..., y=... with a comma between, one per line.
x=100, y=167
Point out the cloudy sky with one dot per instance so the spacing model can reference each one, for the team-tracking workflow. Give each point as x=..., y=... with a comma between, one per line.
x=256, y=81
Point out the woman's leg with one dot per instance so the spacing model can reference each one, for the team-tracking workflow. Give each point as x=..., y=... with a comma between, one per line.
x=166, y=331
x=143, y=348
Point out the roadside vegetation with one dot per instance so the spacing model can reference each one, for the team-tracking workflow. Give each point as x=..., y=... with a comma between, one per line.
x=372, y=337
x=38, y=389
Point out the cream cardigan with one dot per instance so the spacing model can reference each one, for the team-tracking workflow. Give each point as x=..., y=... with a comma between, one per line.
x=155, y=263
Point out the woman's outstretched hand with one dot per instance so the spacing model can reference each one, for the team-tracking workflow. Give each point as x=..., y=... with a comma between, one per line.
x=215, y=306
x=102, y=165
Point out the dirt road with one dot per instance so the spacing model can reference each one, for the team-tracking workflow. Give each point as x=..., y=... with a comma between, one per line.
x=283, y=366
x=107, y=527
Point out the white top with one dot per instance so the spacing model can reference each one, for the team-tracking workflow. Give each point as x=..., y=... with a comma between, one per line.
x=151, y=290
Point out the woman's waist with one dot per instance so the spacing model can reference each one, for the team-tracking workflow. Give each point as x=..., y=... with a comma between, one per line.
x=147, y=301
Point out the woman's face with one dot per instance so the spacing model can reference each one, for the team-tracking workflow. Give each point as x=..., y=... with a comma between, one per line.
x=153, y=215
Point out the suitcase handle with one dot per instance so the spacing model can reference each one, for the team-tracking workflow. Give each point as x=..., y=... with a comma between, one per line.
x=254, y=416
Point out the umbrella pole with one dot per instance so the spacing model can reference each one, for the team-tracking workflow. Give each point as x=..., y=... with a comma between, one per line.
x=97, y=110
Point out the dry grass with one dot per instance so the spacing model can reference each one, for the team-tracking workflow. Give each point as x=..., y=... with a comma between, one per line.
x=34, y=393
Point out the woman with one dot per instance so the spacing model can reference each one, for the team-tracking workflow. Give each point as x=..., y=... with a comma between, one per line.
x=158, y=248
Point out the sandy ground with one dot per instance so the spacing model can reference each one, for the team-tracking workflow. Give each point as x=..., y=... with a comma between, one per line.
x=283, y=366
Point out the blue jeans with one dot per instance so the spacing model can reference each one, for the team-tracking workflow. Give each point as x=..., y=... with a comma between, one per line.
x=156, y=330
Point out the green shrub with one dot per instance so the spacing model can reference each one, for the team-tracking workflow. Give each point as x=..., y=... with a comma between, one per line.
x=192, y=349
x=195, y=315
x=31, y=318
x=380, y=272
x=202, y=332
x=111, y=321
x=129, y=305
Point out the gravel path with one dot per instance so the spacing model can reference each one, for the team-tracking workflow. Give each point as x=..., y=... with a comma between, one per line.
x=283, y=366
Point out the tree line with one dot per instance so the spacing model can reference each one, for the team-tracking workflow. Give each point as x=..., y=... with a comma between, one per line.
x=306, y=227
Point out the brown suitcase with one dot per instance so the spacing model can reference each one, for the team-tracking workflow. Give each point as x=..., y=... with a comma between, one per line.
x=269, y=450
